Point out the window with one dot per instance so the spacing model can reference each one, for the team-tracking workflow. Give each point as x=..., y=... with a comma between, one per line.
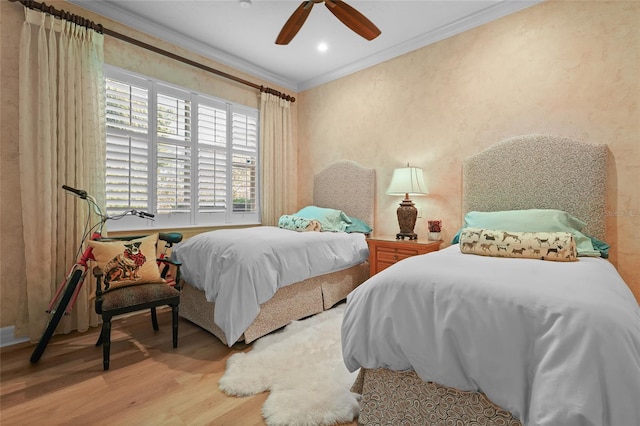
x=188, y=158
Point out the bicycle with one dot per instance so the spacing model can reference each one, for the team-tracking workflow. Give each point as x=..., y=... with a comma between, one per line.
x=67, y=292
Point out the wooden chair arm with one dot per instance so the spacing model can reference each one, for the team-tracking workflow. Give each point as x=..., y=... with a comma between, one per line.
x=170, y=261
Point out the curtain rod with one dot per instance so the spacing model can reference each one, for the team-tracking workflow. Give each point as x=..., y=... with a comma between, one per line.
x=79, y=20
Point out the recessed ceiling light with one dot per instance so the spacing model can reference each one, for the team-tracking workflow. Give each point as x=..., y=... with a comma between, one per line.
x=245, y=3
x=322, y=47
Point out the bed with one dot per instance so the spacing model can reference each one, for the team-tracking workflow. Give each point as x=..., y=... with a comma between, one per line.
x=346, y=186
x=481, y=339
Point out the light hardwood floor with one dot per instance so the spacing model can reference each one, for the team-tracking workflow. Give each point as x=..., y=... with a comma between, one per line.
x=149, y=382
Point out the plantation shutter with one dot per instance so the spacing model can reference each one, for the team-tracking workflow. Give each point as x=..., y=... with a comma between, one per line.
x=127, y=120
x=173, y=156
x=189, y=158
x=212, y=159
x=244, y=145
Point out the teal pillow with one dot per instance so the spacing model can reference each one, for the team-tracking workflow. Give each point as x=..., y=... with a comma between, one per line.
x=330, y=219
x=358, y=226
x=534, y=220
x=601, y=246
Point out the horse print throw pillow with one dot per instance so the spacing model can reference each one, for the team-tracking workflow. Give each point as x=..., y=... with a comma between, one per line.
x=557, y=246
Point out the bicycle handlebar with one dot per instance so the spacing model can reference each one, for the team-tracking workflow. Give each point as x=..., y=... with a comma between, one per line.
x=142, y=214
x=83, y=194
x=79, y=192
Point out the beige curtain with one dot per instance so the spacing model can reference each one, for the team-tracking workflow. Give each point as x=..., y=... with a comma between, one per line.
x=62, y=141
x=277, y=160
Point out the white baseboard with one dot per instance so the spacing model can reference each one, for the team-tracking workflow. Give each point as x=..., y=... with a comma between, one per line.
x=7, y=339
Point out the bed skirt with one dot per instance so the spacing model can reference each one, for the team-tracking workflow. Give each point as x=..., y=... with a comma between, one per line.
x=290, y=303
x=403, y=398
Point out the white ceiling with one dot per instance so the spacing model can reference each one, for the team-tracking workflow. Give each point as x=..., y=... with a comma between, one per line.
x=244, y=37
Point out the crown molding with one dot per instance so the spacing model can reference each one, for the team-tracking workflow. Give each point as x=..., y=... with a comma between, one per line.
x=484, y=16
x=474, y=20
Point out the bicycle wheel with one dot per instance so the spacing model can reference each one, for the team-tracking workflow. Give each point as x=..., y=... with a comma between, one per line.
x=55, y=315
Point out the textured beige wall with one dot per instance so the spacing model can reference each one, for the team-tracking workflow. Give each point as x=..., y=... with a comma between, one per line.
x=563, y=68
x=117, y=53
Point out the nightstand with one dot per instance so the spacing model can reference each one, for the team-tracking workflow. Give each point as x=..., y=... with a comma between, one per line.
x=385, y=251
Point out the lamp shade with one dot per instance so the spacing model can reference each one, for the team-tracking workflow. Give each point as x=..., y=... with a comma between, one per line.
x=407, y=180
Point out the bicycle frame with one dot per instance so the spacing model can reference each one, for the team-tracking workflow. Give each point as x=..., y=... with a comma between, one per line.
x=83, y=263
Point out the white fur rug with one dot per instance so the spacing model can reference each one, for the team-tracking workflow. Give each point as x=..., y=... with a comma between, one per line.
x=302, y=368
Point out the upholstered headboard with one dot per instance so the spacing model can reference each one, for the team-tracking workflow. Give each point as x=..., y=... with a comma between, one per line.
x=537, y=171
x=346, y=186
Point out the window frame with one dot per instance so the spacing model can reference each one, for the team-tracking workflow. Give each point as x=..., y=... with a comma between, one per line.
x=195, y=217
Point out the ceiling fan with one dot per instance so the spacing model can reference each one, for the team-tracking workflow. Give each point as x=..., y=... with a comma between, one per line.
x=345, y=13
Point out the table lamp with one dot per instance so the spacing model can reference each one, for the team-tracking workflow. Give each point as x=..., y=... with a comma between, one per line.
x=407, y=181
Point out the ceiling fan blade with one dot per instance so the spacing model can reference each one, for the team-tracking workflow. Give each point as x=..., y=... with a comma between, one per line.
x=294, y=23
x=353, y=19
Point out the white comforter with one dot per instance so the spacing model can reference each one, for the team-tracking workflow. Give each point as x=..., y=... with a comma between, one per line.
x=239, y=269
x=555, y=343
